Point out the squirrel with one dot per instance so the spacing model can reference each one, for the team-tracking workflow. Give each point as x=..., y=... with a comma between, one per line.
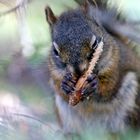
x=111, y=94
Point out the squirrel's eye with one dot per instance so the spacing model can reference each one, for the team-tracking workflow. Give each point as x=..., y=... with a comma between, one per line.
x=94, y=42
x=55, y=52
x=56, y=49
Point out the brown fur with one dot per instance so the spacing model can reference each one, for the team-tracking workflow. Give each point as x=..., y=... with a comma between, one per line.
x=117, y=68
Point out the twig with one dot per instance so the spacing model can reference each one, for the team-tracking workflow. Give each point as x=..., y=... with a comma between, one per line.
x=13, y=9
x=34, y=118
x=75, y=97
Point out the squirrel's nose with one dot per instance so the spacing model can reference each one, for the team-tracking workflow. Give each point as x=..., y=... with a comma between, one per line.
x=80, y=69
x=77, y=69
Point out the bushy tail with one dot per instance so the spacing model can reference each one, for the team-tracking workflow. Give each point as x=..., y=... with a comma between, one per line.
x=114, y=21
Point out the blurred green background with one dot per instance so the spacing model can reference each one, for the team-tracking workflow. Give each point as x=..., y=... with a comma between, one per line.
x=24, y=44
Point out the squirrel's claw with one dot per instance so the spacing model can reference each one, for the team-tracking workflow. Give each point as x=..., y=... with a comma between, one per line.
x=68, y=84
x=91, y=86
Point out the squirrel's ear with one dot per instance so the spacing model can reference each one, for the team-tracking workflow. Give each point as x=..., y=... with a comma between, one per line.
x=85, y=6
x=87, y=3
x=50, y=17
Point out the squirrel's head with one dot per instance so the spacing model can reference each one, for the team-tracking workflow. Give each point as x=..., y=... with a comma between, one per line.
x=74, y=39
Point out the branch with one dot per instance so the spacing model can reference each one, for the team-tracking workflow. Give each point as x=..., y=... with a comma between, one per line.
x=35, y=119
x=13, y=9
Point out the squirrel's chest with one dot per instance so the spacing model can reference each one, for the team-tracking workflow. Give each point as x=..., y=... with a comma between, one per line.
x=78, y=118
x=110, y=116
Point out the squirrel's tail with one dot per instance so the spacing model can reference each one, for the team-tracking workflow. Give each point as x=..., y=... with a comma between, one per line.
x=113, y=20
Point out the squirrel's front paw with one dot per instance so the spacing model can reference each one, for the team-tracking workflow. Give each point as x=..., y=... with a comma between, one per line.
x=91, y=87
x=68, y=84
